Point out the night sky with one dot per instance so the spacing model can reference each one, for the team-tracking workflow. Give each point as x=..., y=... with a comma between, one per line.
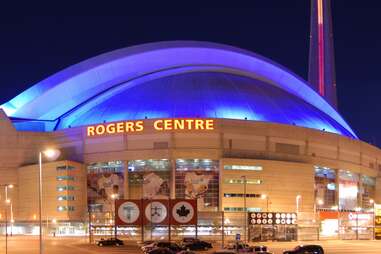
x=35, y=47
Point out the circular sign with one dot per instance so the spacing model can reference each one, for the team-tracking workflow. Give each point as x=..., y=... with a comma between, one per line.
x=252, y=215
x=128, y=212
x=183, y=212
x=156, y=212
x=270, y=215
x=253, y=221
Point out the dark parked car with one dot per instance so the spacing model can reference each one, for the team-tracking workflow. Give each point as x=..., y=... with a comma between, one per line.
x=109, y=242
x=195, y=244
x=241, y=246
x=261, y=249
x=159, y=250
x=186, y=252
x=306, y=249
x=172, y=246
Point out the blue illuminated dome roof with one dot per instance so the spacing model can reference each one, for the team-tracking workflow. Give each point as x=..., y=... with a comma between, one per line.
x=173, y=80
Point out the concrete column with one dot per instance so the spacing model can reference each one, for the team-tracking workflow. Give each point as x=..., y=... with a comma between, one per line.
x=172, y=187
x=125, y=182
x=220, y=184
x=360, y=188
x=337, y=195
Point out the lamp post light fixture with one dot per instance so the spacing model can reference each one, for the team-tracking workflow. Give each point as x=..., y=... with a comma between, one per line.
x=371, y=201
x=264, y=196
x=7, y=203
x=320, y=202
x=298, y=198
x=50, y=154
x=245, y=205
x=114, y=197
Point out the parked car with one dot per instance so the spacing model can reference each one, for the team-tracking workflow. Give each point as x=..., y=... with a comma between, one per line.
x=147, y=247
x=159, y=250
x=224, y=251
x=145, y=242
x=260, y=249
x=186, y=252
x=195, y=244
x=241, y=246
x=172, y=246
x=109, y=242
x=306, y=249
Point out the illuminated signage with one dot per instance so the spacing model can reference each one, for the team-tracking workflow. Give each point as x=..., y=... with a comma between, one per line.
x=158, y=125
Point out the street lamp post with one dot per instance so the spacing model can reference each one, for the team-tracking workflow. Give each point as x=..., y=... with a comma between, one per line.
x=298, y=197
x=49, y=154
x=371, y=201
x=264, y=196
x=114, y=197
x=245, y=205
x=7, y=202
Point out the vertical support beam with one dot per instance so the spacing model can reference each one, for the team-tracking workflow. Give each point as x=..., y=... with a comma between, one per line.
x=126, y=189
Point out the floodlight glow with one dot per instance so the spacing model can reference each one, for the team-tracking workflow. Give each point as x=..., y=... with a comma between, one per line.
x=51, y=154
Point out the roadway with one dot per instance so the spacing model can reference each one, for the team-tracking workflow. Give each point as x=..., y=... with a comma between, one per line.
x=79, y=245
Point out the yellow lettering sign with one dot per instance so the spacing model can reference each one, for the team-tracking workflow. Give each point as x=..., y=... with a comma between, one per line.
x=158, y=125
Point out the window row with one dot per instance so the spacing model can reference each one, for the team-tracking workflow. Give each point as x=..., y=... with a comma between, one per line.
x=65, y=187
x=65, y=208
x=69, y=198
x=240, y=195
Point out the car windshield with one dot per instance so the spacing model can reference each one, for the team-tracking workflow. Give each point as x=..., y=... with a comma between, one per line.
x=297, y=247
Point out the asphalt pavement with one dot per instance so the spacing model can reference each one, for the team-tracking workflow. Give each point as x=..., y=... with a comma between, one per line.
x=79, y=245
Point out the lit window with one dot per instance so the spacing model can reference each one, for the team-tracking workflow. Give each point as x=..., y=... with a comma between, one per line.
x=240, y=195
x=65, y=208
x=241, y=181
x=65, y=167
x=243, y=167
x=241, y=209
x=62, y=178
x=69, y=198
x=66, y=187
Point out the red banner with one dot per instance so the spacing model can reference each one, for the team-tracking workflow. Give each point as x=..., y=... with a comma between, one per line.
x=183, y=212
x=128, y=212
x=155, y=212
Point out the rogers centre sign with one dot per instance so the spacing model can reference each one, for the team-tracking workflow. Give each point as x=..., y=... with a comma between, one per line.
x=159, y=125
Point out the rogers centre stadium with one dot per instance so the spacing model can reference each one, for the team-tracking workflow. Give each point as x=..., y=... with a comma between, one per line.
x=242, y=135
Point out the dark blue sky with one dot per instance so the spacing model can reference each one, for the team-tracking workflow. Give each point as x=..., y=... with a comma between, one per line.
x=34, y=47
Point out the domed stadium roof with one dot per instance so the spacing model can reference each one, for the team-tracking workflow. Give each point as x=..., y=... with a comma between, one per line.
x=173, y=80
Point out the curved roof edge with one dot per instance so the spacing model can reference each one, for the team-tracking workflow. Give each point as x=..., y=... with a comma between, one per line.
x=63, y=91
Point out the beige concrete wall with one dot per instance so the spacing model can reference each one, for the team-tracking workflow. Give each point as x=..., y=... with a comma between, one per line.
x=231, y=139
x=281, y=183
x=28, y=196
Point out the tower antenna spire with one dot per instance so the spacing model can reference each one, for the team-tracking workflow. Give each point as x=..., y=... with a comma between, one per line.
x=321, y=71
